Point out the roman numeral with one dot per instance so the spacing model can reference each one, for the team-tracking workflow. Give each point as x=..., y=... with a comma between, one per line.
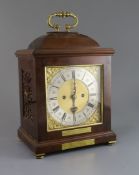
x=53, y=98
x=55, y=86
x=84, y=114
x=64, y=116
x=90, y=84
x=73, y=74
x=74, y=118
x=56, y=109
x=90, y=105
x=83, y=75
x=62, y=76
x=93, y=94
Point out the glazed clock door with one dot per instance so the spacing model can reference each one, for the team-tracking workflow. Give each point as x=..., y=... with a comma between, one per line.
x=74, y=96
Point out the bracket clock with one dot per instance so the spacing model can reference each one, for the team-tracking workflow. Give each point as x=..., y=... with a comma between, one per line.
x=65, y=91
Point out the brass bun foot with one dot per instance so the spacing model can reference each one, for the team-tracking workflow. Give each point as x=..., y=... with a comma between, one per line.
x=40, y=156
x=112, y=142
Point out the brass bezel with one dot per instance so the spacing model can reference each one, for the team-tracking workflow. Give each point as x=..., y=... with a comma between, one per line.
x=101, y=96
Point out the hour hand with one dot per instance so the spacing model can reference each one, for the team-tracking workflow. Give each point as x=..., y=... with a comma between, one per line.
x=73, y=108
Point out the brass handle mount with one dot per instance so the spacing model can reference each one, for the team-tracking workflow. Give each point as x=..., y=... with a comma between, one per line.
x=63, y=14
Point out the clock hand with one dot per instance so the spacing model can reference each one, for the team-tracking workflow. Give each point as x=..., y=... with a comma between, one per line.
x=73, y=96
x=74, y=85
x=73, y=108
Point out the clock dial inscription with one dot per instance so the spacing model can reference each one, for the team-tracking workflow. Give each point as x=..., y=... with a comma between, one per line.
x=73, y=95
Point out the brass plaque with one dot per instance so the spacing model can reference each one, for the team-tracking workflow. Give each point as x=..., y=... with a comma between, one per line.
x=78, y=144
x=76, y=131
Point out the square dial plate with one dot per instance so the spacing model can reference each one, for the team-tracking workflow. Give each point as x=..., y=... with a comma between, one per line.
x=74, y=96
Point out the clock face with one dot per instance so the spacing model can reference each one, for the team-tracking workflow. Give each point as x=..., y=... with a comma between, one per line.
x=73, y=95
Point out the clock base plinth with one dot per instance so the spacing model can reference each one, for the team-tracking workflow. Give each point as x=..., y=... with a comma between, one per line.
x=42, y=148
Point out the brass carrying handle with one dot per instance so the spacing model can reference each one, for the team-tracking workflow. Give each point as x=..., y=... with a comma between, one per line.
x=63, y=14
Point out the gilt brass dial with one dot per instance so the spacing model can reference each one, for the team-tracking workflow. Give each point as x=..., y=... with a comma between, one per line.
x=73, y=96
x=65, y=95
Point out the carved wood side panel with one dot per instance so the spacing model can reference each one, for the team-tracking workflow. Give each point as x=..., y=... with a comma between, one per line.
x=27, y=95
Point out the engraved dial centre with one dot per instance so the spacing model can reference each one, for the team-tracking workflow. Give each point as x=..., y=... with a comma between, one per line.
x=65, y=90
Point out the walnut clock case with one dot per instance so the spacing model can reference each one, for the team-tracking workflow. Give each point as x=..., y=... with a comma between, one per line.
x=65, y=91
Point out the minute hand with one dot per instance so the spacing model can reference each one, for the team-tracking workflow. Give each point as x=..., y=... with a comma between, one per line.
x=73, y=96
x=74, y=85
